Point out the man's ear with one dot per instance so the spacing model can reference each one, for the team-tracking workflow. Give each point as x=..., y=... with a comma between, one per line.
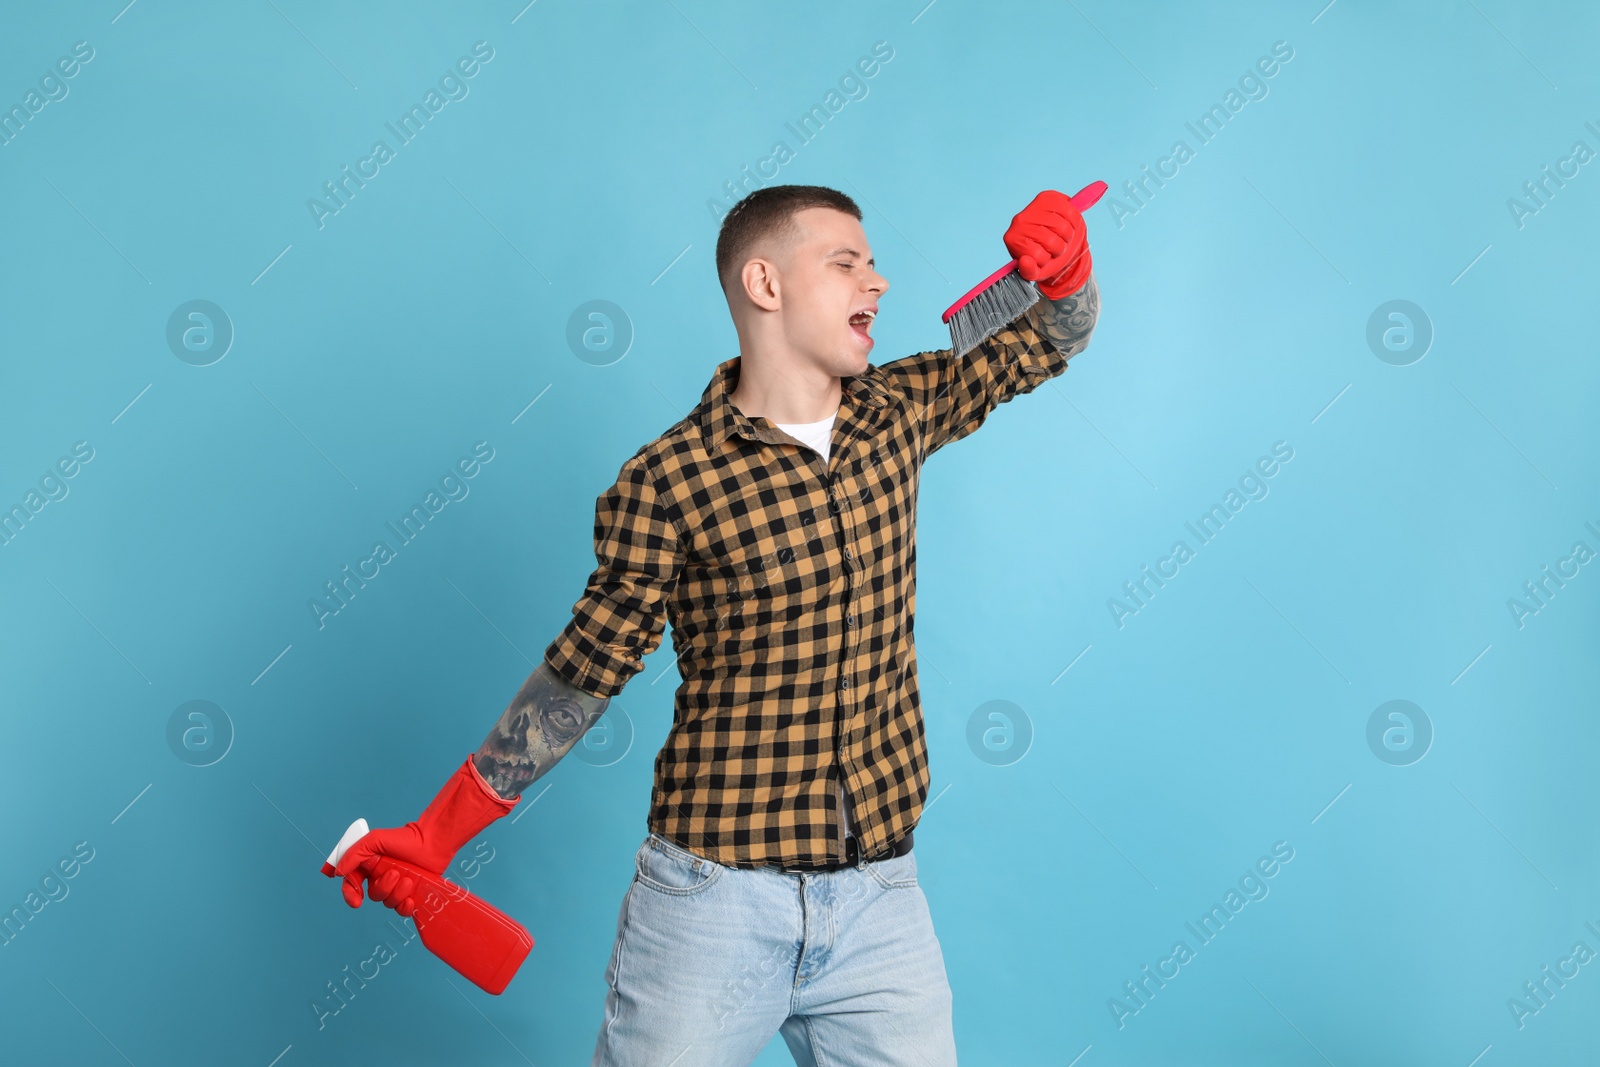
x=761, y=284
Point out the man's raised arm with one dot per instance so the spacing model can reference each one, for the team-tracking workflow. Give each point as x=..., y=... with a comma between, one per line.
x=954, y=396
x=1069, y=321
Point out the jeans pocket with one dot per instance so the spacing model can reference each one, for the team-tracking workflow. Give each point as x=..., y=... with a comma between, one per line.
x=667, y=868
x=898, y=872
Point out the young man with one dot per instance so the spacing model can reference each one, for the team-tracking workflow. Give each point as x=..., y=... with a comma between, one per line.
x=775, y=528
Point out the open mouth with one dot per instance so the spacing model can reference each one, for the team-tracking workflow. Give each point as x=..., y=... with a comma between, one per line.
x=861, y=323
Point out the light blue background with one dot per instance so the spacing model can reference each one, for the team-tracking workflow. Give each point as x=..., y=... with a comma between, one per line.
x=1227, y=715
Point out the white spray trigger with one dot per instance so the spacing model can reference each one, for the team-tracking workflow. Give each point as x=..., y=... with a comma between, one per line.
x=357, y=831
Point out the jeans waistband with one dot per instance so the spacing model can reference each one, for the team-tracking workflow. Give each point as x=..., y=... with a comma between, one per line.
x=852, y=855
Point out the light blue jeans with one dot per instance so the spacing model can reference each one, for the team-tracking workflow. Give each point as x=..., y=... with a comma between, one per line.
x=710, y=961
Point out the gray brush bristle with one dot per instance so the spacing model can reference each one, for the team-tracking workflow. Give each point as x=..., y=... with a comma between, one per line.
x=990, y=312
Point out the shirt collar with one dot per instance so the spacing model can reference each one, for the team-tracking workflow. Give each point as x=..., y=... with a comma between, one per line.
x=718, y=418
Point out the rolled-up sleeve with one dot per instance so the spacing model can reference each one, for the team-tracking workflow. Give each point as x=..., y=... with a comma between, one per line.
x=955, y=396
x=622, y=613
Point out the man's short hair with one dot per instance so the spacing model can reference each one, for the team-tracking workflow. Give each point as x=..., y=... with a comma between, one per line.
x=765, y=214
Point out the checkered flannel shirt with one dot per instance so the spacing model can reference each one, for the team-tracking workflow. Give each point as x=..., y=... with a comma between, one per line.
x=791, y=589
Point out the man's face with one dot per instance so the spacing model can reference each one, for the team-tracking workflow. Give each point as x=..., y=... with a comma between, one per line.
x=828, y=280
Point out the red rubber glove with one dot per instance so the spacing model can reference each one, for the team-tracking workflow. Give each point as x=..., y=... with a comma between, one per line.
x=462, y=809
x=1050, y=242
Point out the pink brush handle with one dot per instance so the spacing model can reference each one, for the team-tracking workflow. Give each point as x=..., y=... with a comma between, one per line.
x=1083, y=200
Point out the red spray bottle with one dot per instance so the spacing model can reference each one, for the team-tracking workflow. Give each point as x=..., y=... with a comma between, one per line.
x=482, y=943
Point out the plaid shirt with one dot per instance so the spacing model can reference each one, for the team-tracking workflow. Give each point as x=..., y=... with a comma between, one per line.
x=791, y=589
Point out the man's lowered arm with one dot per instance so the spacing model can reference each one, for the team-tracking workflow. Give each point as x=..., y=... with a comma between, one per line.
x=545, y=719
x=616, y=623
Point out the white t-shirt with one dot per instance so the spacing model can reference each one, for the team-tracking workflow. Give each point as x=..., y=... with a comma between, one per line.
x=819, y=436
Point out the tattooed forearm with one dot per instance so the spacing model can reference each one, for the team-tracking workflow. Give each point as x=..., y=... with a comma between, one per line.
x=544, y=721
x=1069, y=321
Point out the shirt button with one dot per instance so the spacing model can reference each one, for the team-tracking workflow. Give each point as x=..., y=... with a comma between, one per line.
x=849, y=620
x=847, y=554
x=844, y=683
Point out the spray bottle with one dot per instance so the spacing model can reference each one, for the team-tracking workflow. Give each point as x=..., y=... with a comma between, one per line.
x=478, y=940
